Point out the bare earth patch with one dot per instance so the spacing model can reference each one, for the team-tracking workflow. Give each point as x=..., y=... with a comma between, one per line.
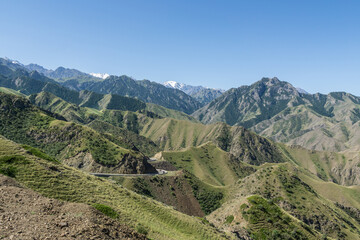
x=24, y=214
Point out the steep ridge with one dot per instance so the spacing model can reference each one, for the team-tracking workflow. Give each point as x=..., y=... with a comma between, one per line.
x=174, y=190
x=210, y=164
x=342, y=168
x=276, y=109
x=30, y=83
x=171, y=134
x=56, y=180
x=74, y=144
x=271, y=202
x=125, y=138
x=144, y=90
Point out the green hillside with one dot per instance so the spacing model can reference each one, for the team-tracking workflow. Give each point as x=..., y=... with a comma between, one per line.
x=65, y=183
x=11, y=91
x=171, y=134
x=74, y=144
x=341, y=168
x=168, y=113
x=276, y=201
x=209, y=163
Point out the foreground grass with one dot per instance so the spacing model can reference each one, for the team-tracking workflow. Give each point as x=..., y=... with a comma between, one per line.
x=58, y=181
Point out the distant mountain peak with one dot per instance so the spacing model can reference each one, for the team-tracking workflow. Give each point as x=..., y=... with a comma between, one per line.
x=184, y=87
x=202, y=94
x=302, y=91
x=173, y=84
x=13, y=61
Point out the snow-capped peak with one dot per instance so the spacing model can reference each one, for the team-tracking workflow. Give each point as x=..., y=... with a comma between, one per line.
x=100, y=75
x=173, y=84
x=13, y=61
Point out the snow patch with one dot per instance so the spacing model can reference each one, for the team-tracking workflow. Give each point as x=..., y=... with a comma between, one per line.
x=173, y=84
x=100, y=75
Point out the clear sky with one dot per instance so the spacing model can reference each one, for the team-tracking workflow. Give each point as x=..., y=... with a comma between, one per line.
x=312, y=44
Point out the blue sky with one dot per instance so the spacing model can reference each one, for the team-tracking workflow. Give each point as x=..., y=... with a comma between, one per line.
x=222, y=44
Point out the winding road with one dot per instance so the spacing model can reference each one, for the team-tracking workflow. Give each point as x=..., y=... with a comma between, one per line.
x=160, y=172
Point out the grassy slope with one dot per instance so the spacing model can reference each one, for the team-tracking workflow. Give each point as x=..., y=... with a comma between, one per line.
x=207, y=162
x=210, y=171
x=65, y=183
x=69, y=111
x=172, y=189
x=342, y=168
x=125, y=138
x=168, y=113
x=72, y=143
x=280, y=184
x=301, y=125
x=10, y=91
x=171, y=134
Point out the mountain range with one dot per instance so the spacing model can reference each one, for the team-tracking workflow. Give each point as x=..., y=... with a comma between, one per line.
x=276, y=109
x=265, y=161
x=144, y=90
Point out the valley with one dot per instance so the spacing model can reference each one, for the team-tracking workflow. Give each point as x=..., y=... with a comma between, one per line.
x=233, y=169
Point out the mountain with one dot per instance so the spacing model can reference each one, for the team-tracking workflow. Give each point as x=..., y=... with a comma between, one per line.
x=283, y=202
x=173, y=84
x=59, y=74
x=40, y=69
x=234, y=183
x=302, y=91
x=276, y=109
x=246, y=185
x=12, y=64
x=202, y=94
x=282, y=199
x=62, y=74
x=100, y=75
x=30, y=83
x=206, y=95
x=73, y=144
x=144, y=90
x=117, y=126
x=136, y=213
